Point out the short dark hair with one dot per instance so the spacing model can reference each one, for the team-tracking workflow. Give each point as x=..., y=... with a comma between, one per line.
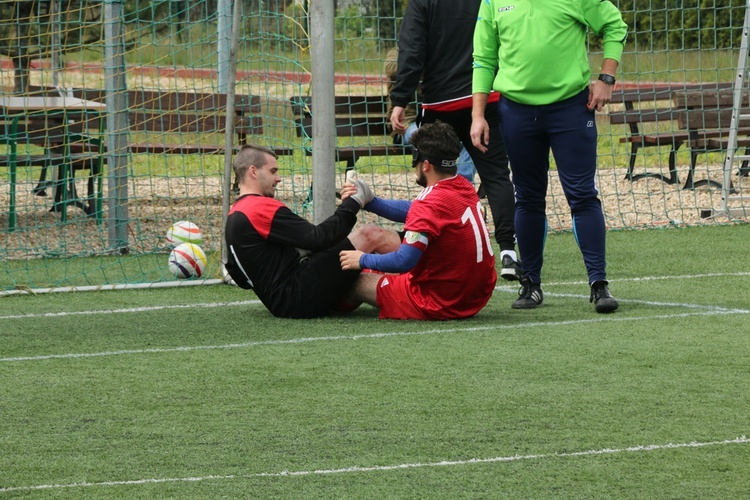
x=250, y=154
x=438, y=143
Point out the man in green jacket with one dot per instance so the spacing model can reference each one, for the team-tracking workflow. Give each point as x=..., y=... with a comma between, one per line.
x=534, y=53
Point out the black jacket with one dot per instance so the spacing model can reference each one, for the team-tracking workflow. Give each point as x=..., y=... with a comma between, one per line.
x=435, y=43
x=264, y=237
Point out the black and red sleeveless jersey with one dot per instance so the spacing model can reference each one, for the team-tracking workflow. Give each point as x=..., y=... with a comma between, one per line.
x=263, y=237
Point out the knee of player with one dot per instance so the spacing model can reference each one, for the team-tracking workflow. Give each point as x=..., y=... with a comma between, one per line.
x=371, y=238
x=591, y=202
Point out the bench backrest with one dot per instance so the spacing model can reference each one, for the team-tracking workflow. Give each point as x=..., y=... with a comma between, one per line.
x=184, y=112
x=651, y=93
x=654, y=101
x=355, y=115
x=706, y=109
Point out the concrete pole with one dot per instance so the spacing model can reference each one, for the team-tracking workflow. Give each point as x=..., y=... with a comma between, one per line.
x=323, y=120
x=118, y=127
x=231, y=79
x=224, y=42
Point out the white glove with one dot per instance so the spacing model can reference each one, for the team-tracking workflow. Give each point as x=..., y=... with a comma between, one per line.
x=364, y=195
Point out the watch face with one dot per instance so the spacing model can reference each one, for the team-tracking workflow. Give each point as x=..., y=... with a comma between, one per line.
x=608, y=79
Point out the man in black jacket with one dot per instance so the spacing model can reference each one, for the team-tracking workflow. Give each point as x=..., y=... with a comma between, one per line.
x=293, y=265
x=435, y=45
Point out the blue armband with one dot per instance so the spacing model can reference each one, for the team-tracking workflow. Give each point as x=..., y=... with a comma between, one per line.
x=394, y=210
x=400, y=261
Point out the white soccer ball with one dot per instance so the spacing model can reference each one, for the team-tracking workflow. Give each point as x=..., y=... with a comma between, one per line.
x=187, y=260
x=184, y=232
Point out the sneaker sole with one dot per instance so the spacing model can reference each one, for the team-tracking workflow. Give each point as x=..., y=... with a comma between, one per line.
x=525, y=305
x=607, y=306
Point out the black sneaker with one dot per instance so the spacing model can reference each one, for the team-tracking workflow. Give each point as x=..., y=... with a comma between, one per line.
x=529, y=296
x=602, y=299
x=511, y=269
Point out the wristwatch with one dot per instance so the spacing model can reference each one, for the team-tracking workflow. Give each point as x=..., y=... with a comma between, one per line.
x=608, y=79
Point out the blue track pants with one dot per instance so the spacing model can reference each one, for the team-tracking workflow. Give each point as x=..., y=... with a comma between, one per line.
x=567, y=128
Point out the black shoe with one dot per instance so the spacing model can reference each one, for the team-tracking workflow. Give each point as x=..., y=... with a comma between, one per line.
x=511, y=269
x=529, y=296
x=602, y=299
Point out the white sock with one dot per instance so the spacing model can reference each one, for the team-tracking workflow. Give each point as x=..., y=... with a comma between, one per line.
x=512, y=253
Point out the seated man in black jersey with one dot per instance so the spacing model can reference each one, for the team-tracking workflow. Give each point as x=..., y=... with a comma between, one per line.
x=293, y=265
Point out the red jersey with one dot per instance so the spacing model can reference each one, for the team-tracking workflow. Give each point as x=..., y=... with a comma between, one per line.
x=455, y=276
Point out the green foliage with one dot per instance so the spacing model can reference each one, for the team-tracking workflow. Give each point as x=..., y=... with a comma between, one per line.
x=683, y=24
x=350, y=22
x=31, y=30
x=388, y=16
x=295, y=27
x=27, y=28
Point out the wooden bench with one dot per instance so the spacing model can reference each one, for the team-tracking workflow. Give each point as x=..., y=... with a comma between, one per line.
x=355, y=116
x=177, y=122
x=161, y=122
x=653, y=105
x=169, y=115
x=706, y=117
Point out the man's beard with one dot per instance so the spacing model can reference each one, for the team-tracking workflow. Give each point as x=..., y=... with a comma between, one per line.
x=421, y=179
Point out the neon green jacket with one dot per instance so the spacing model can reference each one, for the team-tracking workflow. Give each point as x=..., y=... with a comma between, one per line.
x=538, y=47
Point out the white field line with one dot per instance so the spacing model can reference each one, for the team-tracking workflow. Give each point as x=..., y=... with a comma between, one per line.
x=657, y=304
x=383, y=468
x=704, y=311
x=503, y=288
x=656, y=278
x=537, y=324
x=102, y=288
x=508, y=287
x=132, y=310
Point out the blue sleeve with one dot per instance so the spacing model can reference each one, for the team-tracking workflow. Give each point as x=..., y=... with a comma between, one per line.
x=394, y=210
x=400, y=261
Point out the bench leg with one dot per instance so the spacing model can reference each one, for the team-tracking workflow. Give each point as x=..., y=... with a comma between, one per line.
x=93, y=206
x=744, y=166
x=66, y=193
x=41, y=187
x=672, y=178
x=99, y=200
x=690, y=183
x=631, y=166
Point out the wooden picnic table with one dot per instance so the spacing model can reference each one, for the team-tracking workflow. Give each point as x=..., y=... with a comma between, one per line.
x=14, y=109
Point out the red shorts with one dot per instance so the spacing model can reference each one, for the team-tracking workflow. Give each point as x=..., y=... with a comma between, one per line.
x=394, y=299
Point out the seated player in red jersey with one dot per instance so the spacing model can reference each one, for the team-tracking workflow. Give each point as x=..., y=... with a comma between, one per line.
x=292, y=265
x=445, y=263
